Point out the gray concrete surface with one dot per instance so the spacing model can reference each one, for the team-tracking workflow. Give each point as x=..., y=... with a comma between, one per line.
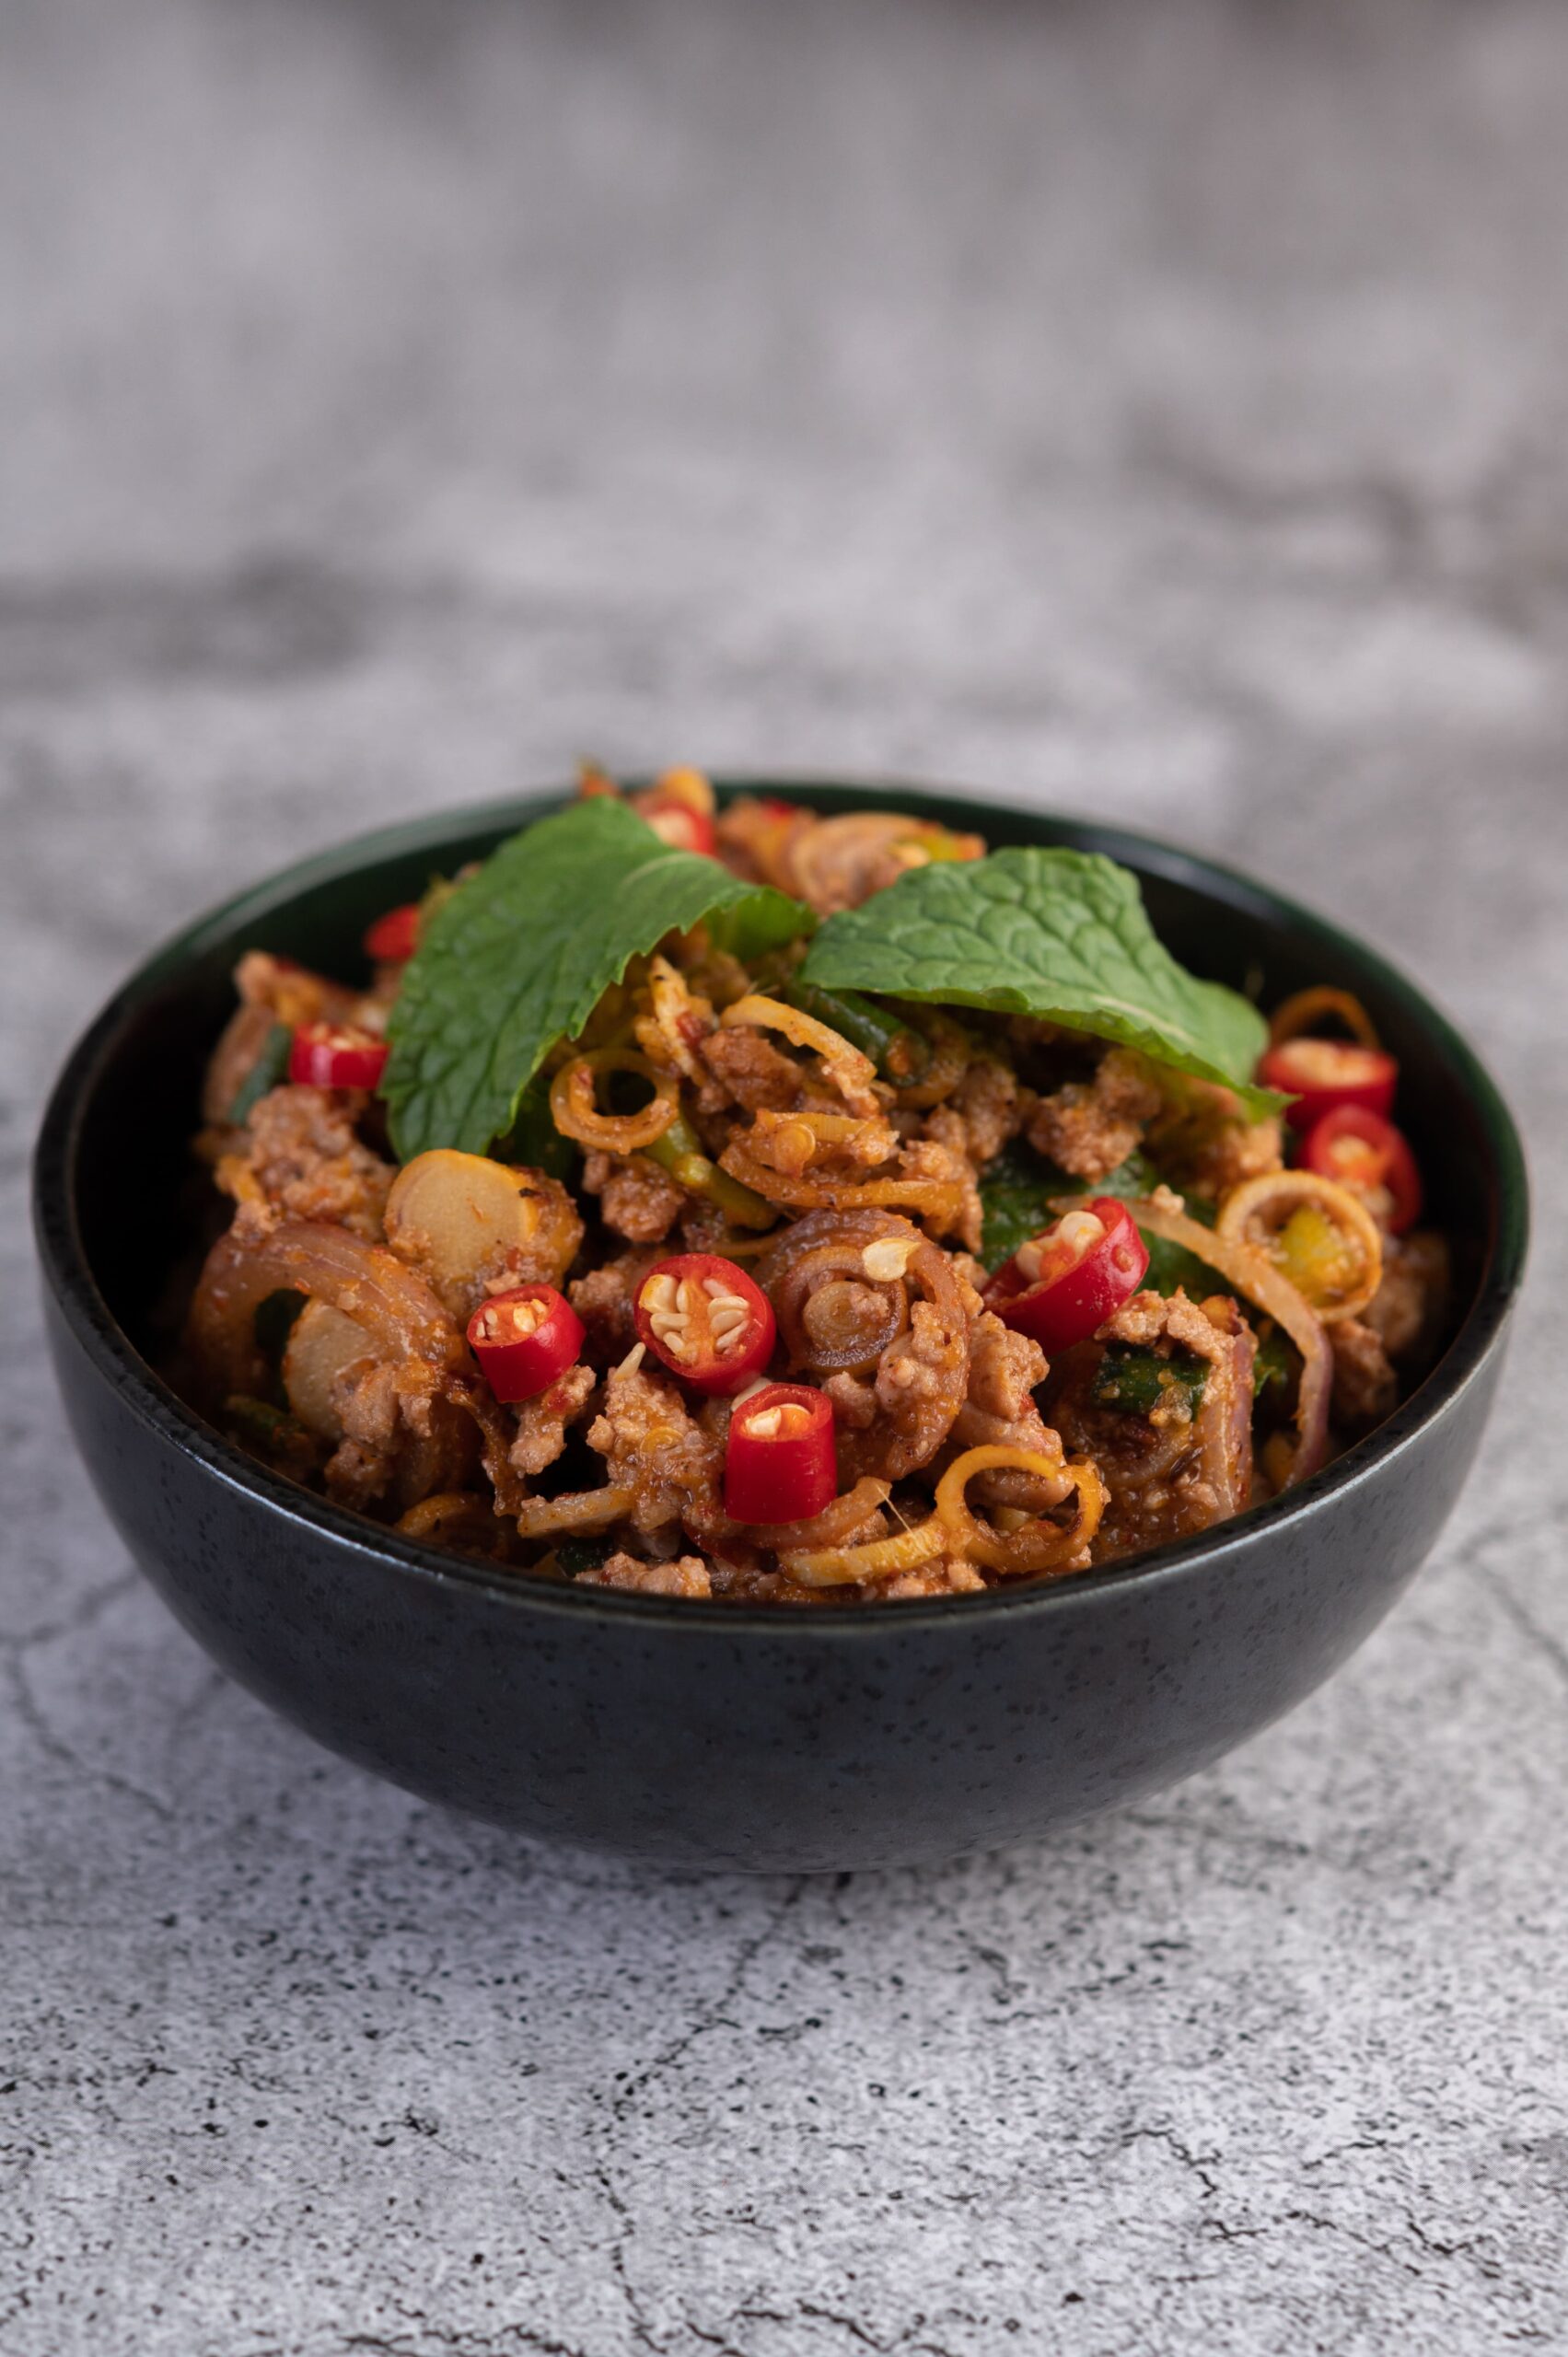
x=1157, y=409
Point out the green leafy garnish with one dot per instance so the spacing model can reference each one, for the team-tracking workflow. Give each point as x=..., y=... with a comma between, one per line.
x=1274, y=1370
x=1136, y=1379
x=519, y=956
x=1172, y=1267
x=898, y=1053
x=1016, y=1189
x=1060, y=934
x=1130, y=1179
x=576, y=1555
x=271, y=1433
x=269, y=1070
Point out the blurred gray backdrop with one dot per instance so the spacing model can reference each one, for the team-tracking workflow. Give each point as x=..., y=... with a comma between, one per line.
x=1158, y=410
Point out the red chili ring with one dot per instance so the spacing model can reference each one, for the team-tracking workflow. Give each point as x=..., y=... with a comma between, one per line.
x=779, y=1463
x=1361, y=1149
x=336, y=1055
x=709, y=1323
x=524, y=1339
x=1323, y=1074
x=1059, y=1292
x=677, y=824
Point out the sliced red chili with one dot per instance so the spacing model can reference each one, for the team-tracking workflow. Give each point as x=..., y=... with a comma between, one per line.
x=709, y=1323
x=393, y=939
x=1362, y=1150
x=336, y=1055
x=780, y=1464
x=1321, y=1073
x=524, y=1339
x=1065, y=1283
x=679, y=825
x=678, y=807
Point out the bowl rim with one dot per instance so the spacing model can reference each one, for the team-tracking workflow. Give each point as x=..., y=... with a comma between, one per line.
x=71, y=1281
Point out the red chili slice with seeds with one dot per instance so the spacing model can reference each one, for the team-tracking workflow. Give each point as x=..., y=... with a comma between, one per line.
x=680, y=827
x=779, y=1464
x=709, y=1322
x=1323, y=1074
x=1066, y=1281
x=336, y=1055
x=524, y=1339
x=678, y=807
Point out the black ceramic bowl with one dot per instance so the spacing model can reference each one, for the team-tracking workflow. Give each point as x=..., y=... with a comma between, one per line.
x=716, y=1734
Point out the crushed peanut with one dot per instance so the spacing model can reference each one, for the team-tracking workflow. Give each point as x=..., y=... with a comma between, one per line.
x=511, y=1321
x=889, y=1257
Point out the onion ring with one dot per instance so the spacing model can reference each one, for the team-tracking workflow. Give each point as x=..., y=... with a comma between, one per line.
x=790, y=1143
x=1036, y=1546
x=1238, y=1222
x=577, y=1116
x=400, y=1315
x=1301, y=1011
x=847, y=1512
x=847, y=1566
x=851, y=1072
x=937, y=1199
x=825, y=1248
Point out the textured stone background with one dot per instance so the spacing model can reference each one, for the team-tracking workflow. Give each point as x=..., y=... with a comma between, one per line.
x=1161, y=409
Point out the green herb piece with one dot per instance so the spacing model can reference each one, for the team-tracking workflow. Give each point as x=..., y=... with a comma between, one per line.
x=520, y=955
x=1132, y=1377
x=680, y=1151
x=1273, y=1370
x=1172, y=1269
x=898, y=1053
x=270, y=1069
x=1016, y=1189
x=575, y=1555
x=1060, y=934
x=533, y=1142
x=271, y=1433
x=1130, y=1179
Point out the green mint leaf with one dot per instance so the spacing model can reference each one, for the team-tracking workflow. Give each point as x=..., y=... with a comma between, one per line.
x=1060, y=934
x=520, y=955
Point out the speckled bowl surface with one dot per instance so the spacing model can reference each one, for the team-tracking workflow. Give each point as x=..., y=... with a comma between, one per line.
x=714, y=1735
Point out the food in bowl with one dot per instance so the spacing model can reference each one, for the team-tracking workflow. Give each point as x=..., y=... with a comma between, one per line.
x=765, y=1206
